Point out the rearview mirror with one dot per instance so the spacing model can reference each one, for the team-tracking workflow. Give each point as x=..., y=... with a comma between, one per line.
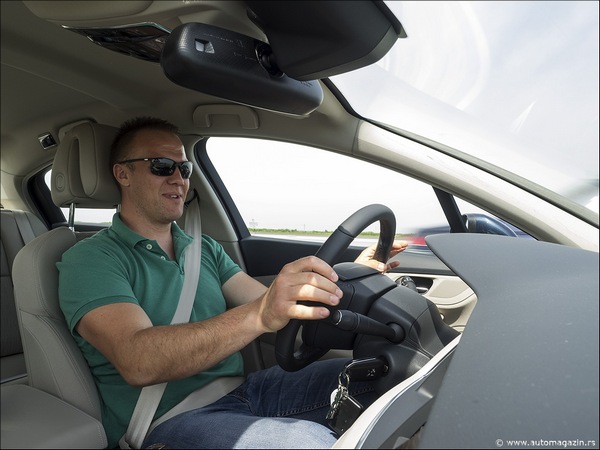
x=235, y=67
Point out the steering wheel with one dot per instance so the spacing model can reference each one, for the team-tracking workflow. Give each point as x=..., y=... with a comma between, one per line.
x=330, y=252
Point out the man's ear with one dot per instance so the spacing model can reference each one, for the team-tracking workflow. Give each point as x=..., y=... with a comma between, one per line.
x=121, y=174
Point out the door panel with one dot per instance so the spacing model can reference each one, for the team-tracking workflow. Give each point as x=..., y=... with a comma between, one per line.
x=266, y=256
x=454, y=299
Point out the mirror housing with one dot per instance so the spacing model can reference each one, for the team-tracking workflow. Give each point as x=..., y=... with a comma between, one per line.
x=320, y=39
x=484, y=224
x=235, y=67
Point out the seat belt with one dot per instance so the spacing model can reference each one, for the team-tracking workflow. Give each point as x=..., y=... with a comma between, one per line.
x=150, y=396
x=24, y=226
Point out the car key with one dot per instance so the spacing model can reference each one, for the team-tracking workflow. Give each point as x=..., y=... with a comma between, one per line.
x=344, y=408
x=366, y=369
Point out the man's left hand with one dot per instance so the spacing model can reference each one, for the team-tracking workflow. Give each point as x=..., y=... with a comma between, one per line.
x=366, y=257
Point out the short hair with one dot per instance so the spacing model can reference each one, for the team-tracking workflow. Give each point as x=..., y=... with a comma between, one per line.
x=129, y=129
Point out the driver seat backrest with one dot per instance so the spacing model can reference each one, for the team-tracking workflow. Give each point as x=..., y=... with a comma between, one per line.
x=81, y=176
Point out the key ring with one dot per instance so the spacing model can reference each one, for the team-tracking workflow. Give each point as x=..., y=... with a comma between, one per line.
x=343, y=379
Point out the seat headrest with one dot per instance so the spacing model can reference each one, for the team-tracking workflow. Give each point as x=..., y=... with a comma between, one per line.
x=81, y=172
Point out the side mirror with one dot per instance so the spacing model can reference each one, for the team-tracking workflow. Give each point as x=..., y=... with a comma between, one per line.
x=482, y=223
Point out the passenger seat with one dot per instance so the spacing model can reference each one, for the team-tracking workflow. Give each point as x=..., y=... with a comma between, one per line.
x=17, y=228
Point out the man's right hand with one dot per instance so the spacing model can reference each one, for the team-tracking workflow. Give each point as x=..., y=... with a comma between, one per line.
x=309, y=279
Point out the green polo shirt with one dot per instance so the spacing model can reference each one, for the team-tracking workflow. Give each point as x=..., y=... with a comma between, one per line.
x=117, y=265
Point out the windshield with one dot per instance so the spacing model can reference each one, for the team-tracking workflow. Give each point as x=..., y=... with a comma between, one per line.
x=512, y=83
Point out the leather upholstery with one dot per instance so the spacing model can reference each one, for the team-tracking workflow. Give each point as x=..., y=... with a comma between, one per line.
x=81, y=171
x=17, y=228
x=54, y=362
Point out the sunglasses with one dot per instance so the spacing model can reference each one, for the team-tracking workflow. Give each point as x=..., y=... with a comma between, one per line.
x=165, y=167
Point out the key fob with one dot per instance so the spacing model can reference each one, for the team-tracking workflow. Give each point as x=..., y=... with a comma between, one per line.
x=345, y=414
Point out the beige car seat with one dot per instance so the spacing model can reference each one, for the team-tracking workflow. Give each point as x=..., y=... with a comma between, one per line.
x=17, y=228
x=55, y=365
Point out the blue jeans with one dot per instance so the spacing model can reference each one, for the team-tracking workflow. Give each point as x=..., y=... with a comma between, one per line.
x=272, y=409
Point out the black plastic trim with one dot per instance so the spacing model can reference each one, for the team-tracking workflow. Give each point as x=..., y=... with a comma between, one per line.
x=42, y=199
x=451, y=211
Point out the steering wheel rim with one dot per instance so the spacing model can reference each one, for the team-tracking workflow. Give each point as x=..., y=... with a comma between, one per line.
x=330, y=252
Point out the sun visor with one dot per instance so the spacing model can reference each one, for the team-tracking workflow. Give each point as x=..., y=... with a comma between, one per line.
x=235, y=67
x=319, y=39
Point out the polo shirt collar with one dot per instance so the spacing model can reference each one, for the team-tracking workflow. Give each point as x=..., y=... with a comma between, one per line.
x=131, y=238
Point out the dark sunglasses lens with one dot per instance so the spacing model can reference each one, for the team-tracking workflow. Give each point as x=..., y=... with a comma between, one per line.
x=164, y=167
x=186, y=169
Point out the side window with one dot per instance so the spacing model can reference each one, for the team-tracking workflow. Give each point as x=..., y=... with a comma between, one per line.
x=286, y=190
x=86, y=216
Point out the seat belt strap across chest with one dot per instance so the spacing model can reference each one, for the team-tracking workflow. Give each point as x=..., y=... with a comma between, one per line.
x=150, y=396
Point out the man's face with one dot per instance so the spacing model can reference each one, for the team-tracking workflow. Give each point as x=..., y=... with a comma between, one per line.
x=156, y=199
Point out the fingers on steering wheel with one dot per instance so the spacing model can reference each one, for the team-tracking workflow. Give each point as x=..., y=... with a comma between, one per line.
x=310, y=264
x=305, y=312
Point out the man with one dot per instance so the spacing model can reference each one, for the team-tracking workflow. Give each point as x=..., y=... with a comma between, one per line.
x=119, y=290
